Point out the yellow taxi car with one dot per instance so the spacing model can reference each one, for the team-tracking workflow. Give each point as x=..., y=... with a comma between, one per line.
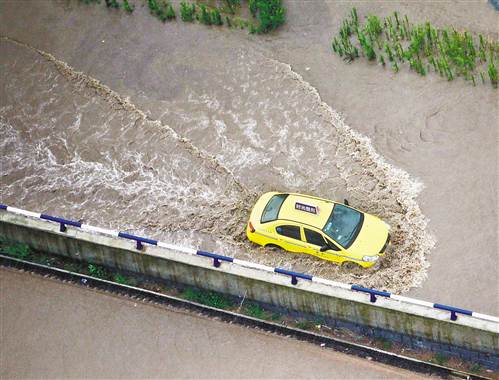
x=326, y=229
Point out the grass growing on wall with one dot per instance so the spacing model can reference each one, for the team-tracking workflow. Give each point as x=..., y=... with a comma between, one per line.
x=23, y=252
x=17, y=250
x=208, y=298
x=265, y=15
x=423, y=48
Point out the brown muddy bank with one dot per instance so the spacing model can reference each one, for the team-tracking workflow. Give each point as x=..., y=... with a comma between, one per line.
x=230, y=95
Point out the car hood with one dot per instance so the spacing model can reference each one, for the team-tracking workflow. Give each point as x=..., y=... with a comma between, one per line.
x=371, y=238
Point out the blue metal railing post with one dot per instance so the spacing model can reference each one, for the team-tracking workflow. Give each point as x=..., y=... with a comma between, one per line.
x=372, y=292
x=217, y=259
x=294, y=275
x=453, y=310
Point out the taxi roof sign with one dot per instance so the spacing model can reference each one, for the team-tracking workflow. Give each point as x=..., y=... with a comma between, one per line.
x=307, y=208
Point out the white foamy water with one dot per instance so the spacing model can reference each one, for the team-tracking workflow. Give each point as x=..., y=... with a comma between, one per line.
x=82, y=151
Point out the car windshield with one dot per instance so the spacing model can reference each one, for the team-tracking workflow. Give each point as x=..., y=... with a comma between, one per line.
x=272, y=209
x=343, y=225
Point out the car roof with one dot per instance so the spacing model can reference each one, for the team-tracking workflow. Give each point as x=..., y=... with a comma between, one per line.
x=317, y=219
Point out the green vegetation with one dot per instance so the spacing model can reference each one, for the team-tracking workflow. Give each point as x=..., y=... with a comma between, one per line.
x=269, y=13
x=209, y=17
x=385, y=344
x=187, y=11
x=22, y=251
x=492, y=70
x=305, y=325
x=170, y=12
x=266, y=15
x=127, y=7
x=205, y=16
x=439, y=359
x=17, y=250
x=98, y=271
x=254, y=310
x=425, y=48
x=213, y=299
x=112, y=4
x=120, y=279
x=162, y=9
x=216, y=17
x=276, y=317
x=232, y=5
x=475, y=367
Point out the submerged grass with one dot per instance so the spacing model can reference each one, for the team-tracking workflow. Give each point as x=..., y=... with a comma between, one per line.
x=266, y=15
x=423, y=47
x=187, y=11
x=162, y=9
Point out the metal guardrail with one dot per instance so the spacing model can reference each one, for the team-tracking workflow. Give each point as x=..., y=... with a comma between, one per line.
x=453, y=310
x=294, y=275
x=218, y=259
x=372, y=292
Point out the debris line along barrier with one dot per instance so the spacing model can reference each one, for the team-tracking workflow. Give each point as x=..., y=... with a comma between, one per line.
x=351, y=306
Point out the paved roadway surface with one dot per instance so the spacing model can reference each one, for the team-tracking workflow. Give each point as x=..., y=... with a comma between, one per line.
x=54, y=330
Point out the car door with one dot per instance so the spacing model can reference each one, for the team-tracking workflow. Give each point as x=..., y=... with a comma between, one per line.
x=315, y=241
x=289, y=237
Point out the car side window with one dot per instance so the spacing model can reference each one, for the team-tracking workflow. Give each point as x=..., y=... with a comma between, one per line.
x=314, y=238
x=289, y=231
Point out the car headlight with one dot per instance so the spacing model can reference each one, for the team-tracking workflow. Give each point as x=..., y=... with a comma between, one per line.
x=370, y=259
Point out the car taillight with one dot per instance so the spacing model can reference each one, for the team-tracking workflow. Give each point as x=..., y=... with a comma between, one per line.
x=252, y=229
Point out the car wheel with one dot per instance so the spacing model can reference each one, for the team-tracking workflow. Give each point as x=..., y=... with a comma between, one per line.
x=274, y=247
x=350, y=265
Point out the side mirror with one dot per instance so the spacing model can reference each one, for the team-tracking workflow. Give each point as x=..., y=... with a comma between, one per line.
x=345, y=201
x=325, y=248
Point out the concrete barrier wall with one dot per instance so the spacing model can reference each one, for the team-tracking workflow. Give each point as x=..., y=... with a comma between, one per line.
x=415, y=319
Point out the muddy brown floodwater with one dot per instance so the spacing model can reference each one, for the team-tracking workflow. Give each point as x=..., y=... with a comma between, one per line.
x=173, y=130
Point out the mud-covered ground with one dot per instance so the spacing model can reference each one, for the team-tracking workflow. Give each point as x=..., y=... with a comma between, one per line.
x=173, y=131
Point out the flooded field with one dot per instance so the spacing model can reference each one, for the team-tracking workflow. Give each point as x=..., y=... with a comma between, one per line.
x=177, y=138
